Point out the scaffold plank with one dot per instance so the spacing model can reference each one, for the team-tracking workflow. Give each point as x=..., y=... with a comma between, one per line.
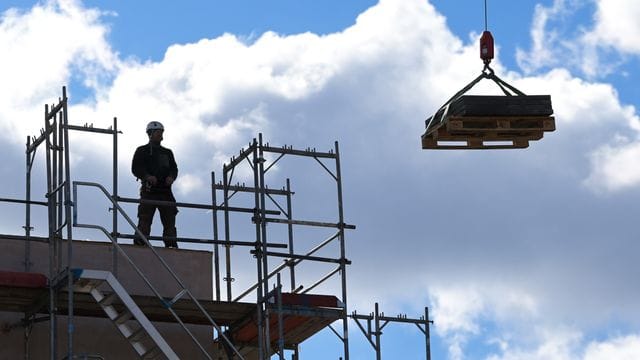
x=303, y=315
x=22, y=279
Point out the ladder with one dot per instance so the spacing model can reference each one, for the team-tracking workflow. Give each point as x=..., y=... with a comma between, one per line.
x=132, y=322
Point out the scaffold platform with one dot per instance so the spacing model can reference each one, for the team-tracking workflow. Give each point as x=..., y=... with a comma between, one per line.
x=303, y=315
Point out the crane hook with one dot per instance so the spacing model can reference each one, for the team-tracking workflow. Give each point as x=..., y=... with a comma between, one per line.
x=486, y=47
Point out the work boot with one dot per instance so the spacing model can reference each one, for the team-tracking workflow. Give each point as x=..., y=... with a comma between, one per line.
x=168, y=236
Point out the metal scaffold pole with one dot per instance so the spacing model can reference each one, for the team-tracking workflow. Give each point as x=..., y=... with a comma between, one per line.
x=67, y=220
x=227, y=233
x=263, y=242
x=258, y=253
x=291, y=264
x=216, y=247
x=343, y=265
x=378, y=332
x=115, y=195
x=51, y=221
x=27, y=220
x=427, y=333
x=374, y=336
x=59, y=163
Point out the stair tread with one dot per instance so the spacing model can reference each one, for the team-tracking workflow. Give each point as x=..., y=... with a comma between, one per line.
x=152, y=353
x=108, y=299
x=137, y=334
x=123, y=317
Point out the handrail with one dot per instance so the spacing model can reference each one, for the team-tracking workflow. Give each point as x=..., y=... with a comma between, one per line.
x=193, y=206
x=20, y=201
x=137, y=269
x=204, y=241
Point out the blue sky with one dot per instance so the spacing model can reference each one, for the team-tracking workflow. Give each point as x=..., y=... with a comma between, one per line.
x=525, y=254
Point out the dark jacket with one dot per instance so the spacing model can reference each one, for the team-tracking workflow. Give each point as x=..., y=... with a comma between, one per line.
x=153, y=159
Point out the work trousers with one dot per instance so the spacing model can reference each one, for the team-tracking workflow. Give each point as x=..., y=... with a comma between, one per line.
x=167, y=217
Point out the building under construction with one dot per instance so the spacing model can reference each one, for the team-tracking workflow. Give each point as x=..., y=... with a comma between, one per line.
x=61, y=298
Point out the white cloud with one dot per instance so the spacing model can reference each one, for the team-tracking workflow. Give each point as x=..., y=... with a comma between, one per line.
x=482, y=220
x=616, y=25
x=566, y=344
x=541, y=52
x=597, y=49
x=189, y=183
x=621, y=348
x=47, y=45
x=551, y=344
x=457, y=309
x=615, y=167
x=580, y=103
x=459, y=312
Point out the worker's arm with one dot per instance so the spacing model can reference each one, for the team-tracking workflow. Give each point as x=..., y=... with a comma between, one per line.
x=138, y=167
x=174, y=166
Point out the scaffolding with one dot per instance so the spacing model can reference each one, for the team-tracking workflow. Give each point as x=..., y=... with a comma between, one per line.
x=267, y=330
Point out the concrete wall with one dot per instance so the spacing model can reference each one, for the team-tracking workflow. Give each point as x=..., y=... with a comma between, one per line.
x=99, y=336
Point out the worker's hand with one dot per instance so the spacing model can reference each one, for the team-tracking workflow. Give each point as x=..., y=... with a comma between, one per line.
x=152, y=179
x=169, y=181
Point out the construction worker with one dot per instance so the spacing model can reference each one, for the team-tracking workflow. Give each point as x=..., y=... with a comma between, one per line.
x=156, y=168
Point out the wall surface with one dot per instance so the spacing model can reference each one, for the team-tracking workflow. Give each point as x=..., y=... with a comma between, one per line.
x=98, y=336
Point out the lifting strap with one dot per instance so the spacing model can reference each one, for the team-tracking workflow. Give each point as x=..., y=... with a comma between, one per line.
x=487, y=73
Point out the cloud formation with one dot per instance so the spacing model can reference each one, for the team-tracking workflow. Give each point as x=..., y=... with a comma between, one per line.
x=47, y=46
x=516, y=232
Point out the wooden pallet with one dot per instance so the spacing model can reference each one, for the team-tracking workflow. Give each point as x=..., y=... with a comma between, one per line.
x=482, y=132
x=473, y=144
x=502, y=124
x=490, y=122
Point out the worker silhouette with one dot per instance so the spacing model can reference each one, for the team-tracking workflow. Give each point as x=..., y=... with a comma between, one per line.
x=156, y=168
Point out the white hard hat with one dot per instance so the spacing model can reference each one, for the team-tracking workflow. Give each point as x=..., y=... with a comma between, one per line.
x=154, y=125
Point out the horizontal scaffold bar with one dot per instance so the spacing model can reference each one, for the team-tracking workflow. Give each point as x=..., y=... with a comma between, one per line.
x=310, y=223
x=23, y=201
x=244, y=153
x=305, y=257
x=242, y=188
x=207, y=241
x=308, y=312
x=194, y=206
x=310, y=153
x=91, y=129
x=402, y=320
x=24, y=238
x=39, y=140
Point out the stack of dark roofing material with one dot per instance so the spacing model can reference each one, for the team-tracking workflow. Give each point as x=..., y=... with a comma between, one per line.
x=489, y=122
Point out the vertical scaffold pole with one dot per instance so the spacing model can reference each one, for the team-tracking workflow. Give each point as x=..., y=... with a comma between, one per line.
x=58, y=160
x=27, y=215
x=292, y=269
x=343, y=266
x=67, y=215
x=259, y=254
x=227, y=231
x=378, y=333
x=263, y=240
x=280, y=319
x=427, y=334
x=216, y=250
x=114, y=251
x=51, y=222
